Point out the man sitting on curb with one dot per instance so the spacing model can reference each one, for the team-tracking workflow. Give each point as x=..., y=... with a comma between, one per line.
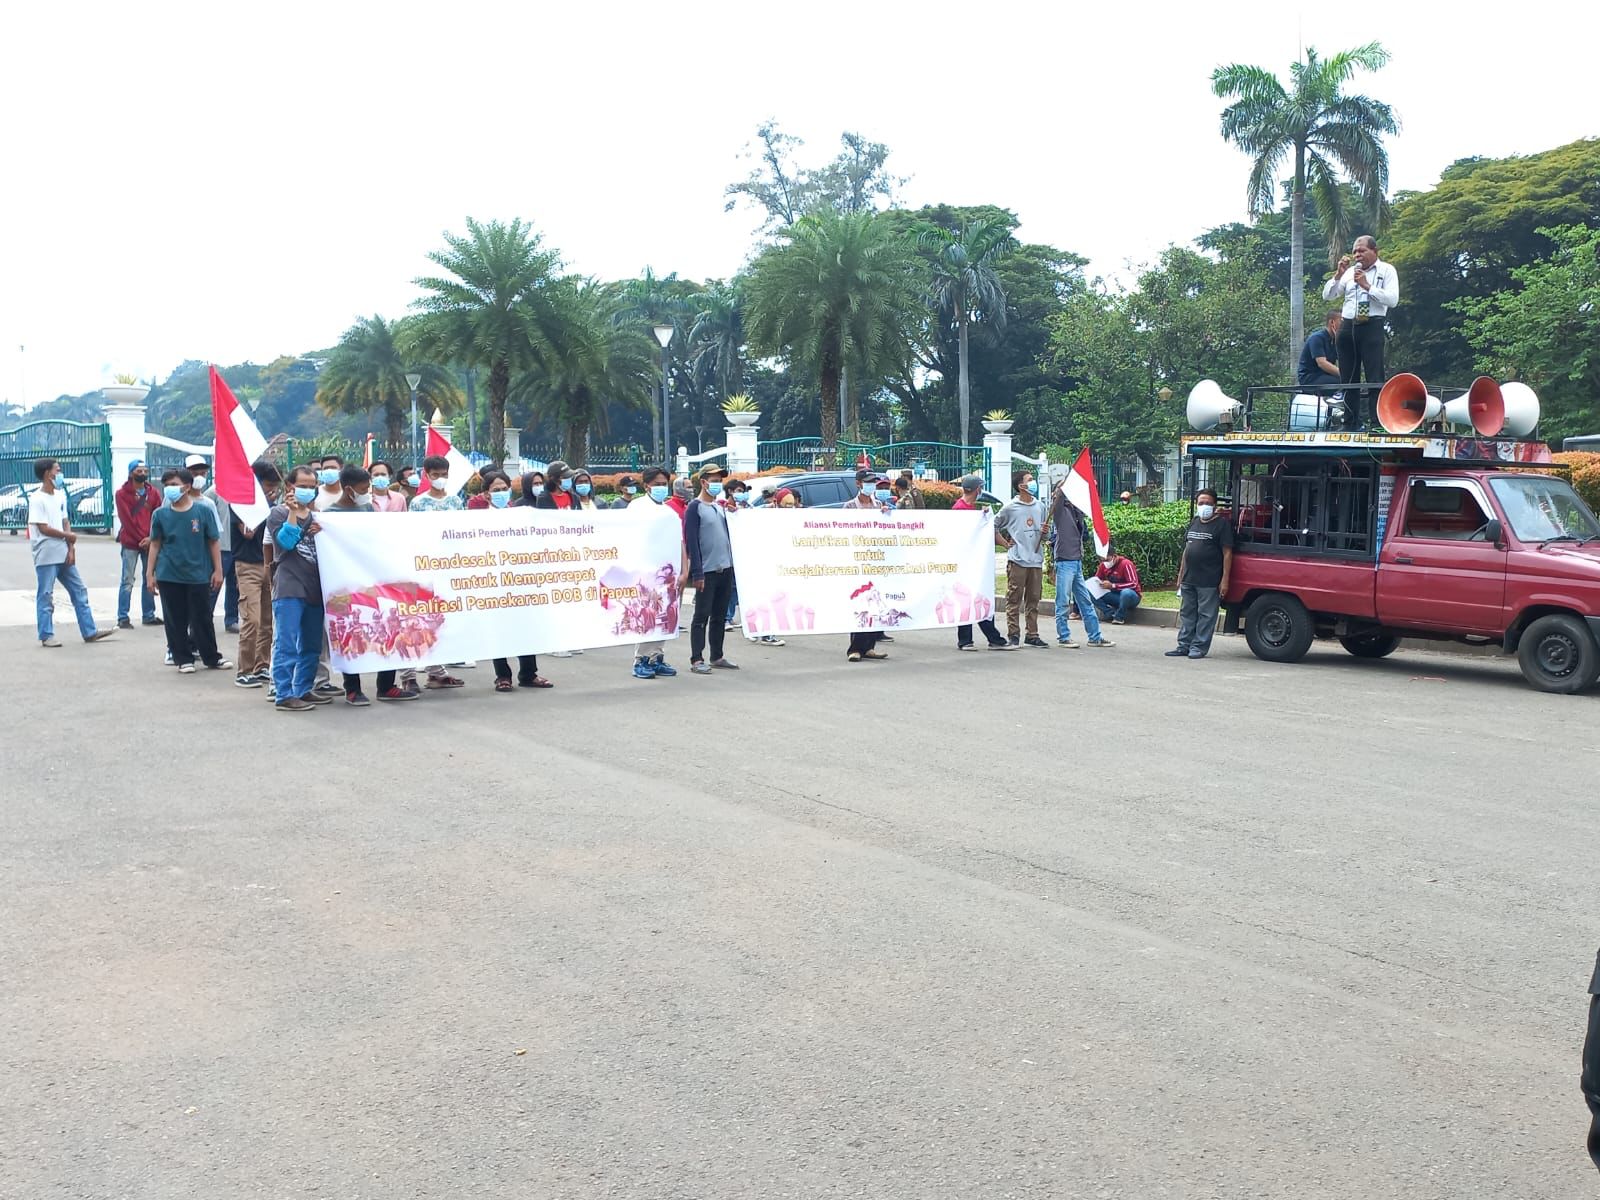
x=1121, y=580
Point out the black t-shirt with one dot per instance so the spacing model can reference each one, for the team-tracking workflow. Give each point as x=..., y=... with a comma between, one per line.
x=247, y=549
x=1318, y=345
x=1202, y=551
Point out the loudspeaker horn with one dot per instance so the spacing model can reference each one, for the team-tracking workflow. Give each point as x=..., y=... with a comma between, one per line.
x=1404, y=404
x=1483, y=407
x=1521, y=408
x=1209, y=407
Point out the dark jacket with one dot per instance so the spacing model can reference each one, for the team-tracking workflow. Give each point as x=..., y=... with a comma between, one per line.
x=133, y=513
x=1066, y=529
x=1591, y=1064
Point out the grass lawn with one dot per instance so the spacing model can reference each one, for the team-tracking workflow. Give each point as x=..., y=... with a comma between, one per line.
x=1151, y=599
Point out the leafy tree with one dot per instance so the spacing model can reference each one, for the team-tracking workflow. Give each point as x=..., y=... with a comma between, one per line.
x=490, y=308
x=367, y=370
x=1546, y=331
x=966, y=288
x=853, y=182
x=717, y=335
x=1323, y=130
x=833, y=288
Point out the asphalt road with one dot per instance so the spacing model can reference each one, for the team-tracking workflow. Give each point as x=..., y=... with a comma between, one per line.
x=1065, y=924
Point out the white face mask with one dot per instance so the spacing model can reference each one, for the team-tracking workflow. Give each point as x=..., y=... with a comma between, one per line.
x=1205, y=511
x=437, y=483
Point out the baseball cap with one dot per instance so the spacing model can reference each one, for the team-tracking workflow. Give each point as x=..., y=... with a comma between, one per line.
x=195, y=460
x=135, y=465
x=864, y=474
x=972, y=483
x=710, y=469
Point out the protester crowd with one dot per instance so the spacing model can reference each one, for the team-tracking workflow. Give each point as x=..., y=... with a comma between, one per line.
x=183, y=543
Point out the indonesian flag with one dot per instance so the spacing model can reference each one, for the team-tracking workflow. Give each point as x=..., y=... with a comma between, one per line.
x=238, y=445
x=460, y=469
x=366, y=453
x=1084, y=495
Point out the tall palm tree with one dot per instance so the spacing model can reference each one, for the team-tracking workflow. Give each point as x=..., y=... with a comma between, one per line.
x=367, y=370
x=593, y=360
x=492, y=308
x=965, y=287
x=835, y=288
x=717, y=335
x=654, y=300
x=1324, y=130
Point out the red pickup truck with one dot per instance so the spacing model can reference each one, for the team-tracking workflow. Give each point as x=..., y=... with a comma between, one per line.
x=1369, y=543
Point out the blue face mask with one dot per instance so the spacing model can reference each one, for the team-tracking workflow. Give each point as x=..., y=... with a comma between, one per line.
x=328, y=475
x=658, y=492
x=173, y=490
x=305, y=495
x=499, y=499
x=743, y=497
x=585, y=488
x=714, y=488
x=566, y=485
x=381, y=482
x=1030, y=487
x=881, y=495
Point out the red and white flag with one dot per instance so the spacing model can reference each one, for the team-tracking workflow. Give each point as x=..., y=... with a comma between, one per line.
x=1084, y=495
x=461, y=469
x=238, y=445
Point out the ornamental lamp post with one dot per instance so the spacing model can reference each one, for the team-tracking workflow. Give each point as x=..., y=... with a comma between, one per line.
x=413, y=378
x=663, y=334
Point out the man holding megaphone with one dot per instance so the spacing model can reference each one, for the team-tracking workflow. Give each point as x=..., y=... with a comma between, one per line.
x=1369, y=287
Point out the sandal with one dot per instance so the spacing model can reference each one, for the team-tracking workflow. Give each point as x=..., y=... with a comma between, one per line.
x=502, y=685
x=538, y=681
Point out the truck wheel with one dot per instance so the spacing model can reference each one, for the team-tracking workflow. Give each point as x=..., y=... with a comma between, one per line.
x=1557, y=654
x=1278, y=628
x=1370, y=645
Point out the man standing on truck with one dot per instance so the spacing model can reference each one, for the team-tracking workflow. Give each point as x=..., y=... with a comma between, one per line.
x=1202, y=576
x=1369, y=288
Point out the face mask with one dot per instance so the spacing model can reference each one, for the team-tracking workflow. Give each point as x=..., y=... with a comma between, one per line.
x=537, y=489
x=867, y=489
x=381, y=482
x=881, y=495
x=1030, y=488
x=199, y=483
x=409, y=481
x=499, y=499
x=658, y=492
x=1205, y=511
x=328, y=475
x=140, y=480
x=364, y=501
x=172, y=491
x=436, y=482
x=305, y=495
x=585, y=488
x=714, y=488
x=629, y=490
x=566, y=485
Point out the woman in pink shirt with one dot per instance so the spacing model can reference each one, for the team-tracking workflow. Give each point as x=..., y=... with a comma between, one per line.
x=385, y=497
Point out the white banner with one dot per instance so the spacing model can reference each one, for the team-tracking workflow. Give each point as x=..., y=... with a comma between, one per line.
x=409, y=589
x=841, y=570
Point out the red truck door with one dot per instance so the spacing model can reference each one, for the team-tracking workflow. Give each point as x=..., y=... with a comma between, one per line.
x=1437, y=568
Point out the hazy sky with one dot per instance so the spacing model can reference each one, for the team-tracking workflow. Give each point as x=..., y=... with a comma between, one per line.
x=235, y=182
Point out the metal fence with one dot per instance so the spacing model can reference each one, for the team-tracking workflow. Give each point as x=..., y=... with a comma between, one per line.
x=84, y=452
x=949, y=460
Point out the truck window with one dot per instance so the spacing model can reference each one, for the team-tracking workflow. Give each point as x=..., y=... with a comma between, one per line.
x=1541, y=508
x=1444, y=510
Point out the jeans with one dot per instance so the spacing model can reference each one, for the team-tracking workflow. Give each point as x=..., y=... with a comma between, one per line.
x=45, y=604
x=712, y=602
x=1197, y=617
x=1023, y=587
x=135, y=570
x=1118, y=604
x=190, y=634
x=297, y=639
x=1069, y=583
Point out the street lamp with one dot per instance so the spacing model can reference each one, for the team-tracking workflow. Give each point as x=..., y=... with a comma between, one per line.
x=413, y=378
x=1165, y=394
x=663, y=334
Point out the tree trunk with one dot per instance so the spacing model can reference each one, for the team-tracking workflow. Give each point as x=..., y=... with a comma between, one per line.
x=499, y=385
x=852, y=417
x=963, y=385
x=395, y=412
x=828, y=418
x=472, y=409
x=575, y=442
x=1297, y=261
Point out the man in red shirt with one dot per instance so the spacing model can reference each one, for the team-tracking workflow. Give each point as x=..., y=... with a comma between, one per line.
x=971, y=485
x=135, y=501
x=1121, y=580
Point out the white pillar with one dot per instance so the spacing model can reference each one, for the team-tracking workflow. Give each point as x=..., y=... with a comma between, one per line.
x=513, y=450
x=742, y=448
x=999, y=447
x=127, y=444
x=682, y=465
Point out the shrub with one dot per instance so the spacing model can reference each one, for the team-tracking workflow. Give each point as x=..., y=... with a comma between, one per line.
x=1152, y=537
x=1583, y=470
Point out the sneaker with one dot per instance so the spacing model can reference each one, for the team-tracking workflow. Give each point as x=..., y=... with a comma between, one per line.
x=1038, y=643
x=230, y=629
x=1004, y=646
x=730, y=627
x=411, y=689
x=1067, y=642
x=397, y=693
x=262, y=676
x=292, y=705
x=577, y=651
x=272, y=691
x=152, y=621
x=723, y=664
x=1101, y=641
x=124, y=623
x=854, y=656
x=1013, y=640
x=873, y=654
x=966, y=646
x=222, y=664
x=561, y=654
x=327, y=687
x=1180, y=652
x=357, y=700
x=166, y=661
x=186, y=669
x=314, y=698
x=436, y=682
x=884, y=637
x=99, y=635
x=1192, y=654
x=660, y=666
x=247, y=681
x=769, y=639
x=462, y=665
x=642, y=669
x=1119, y=620
x=700, y=668
x=54, y=643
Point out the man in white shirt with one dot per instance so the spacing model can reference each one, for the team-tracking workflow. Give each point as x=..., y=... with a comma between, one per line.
x=55, y=555
x=1369, y=288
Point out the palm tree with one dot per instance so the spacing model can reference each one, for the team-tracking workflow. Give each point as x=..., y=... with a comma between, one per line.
x=592, y=361
x=367, y=370
x=965, y=287
x=491, y=309
x=1325, y=130
x=717, y=335
x=835, y=288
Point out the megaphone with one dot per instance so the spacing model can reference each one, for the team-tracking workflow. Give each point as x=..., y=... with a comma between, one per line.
x=1404, y=404
x=1521, y=408
x=1483, y=407
x=1209, y=407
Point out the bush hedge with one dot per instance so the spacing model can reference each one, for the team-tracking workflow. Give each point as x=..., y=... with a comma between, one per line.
x=1584, y=472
